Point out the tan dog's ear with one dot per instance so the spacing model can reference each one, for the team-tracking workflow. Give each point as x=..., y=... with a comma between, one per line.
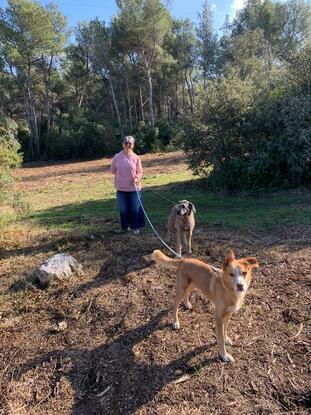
x=192, y=207
x=229, y=258
x=252, y=262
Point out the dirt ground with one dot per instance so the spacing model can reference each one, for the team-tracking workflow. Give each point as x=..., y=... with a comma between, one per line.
x=118, y=353
x=37, y=176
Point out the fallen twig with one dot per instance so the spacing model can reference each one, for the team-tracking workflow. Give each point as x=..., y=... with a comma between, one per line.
x=104, y=391
x=290, y=359
x=181, y=379
x=298, y=332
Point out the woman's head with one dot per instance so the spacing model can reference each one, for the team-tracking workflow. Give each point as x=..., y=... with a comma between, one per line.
x=128, y=142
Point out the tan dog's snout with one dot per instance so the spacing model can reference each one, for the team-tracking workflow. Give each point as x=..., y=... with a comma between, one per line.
x=239, y=271
x=240, y=286
x=238, y=280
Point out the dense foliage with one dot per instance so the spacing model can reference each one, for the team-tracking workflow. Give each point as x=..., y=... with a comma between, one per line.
x=238, y=102
x=10, y=158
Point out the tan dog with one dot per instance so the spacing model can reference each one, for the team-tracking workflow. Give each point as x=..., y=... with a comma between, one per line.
x=181, y=219
x=226, y=289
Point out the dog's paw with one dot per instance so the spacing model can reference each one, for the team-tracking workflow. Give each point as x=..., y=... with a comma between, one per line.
x=188, y=305
x=227, y=358
x=228, y=341
x=176, y=325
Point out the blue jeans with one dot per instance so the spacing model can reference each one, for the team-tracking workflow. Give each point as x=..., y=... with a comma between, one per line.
x=131, y=213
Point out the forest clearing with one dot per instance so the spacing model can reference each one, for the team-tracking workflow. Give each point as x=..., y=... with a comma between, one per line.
x=205, y=101
x=118, y=353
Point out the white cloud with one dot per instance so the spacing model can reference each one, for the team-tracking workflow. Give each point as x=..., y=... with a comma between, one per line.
x=214, y=6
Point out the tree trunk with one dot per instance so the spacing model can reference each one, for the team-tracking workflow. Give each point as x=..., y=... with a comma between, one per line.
x=114, y=102
x=190, y=94
x=82, y=95
x=129, y=103
x=176, y=100
x=46, y=79
x=183, y=105
x=34, y=140
x=150, y=99
x=135, y=108
x=124, y=117
x=141, y=105
x=169, y=109
x=150, y=91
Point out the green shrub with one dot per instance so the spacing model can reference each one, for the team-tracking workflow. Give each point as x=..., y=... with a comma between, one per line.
x=250, y=137
x=146, y=138
x=9, y=146
x=10, y=158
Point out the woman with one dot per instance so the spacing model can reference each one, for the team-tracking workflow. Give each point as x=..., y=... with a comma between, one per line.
x=127, y=170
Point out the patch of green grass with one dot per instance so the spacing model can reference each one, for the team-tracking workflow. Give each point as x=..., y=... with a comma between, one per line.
x=68, y=206
x=6, y=218
x=262, y=211
x=83, y=205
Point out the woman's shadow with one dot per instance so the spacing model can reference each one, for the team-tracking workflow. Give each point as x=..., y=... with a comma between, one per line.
x=110, y=378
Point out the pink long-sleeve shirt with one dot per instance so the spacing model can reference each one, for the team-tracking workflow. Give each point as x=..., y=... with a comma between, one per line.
x=126, y=169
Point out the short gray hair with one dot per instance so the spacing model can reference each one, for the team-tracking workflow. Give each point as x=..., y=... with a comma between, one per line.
x=129, y=138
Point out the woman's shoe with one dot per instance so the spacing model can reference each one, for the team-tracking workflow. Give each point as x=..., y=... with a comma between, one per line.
x=136, y=231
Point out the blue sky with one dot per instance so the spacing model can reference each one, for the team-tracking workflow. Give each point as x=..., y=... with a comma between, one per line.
x=80, y=10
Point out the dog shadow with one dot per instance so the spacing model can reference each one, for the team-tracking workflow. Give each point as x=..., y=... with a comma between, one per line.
x=111, y=379
x=118, y=265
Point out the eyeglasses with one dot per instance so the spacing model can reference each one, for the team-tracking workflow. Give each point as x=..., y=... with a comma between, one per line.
x=128, y=142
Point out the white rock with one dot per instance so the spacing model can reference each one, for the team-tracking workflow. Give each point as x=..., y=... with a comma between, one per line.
x=59, y=266
x=61, y=326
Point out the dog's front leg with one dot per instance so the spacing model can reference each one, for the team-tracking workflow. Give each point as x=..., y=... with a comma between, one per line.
x=220, y=336
x=189, y=234
x=228, y=341
x=185, y=240
x=178, y=238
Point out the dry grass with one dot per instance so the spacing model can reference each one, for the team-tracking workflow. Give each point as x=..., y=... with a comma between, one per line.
x=119, y=355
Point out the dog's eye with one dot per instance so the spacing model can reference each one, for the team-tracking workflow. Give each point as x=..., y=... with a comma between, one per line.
x=231, y=274
x=244, y=273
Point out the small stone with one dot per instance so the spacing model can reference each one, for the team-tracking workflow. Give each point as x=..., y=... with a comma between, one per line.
x=62, y=325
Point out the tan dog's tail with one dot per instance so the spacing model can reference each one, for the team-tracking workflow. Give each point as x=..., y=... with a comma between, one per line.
x=164, y=260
